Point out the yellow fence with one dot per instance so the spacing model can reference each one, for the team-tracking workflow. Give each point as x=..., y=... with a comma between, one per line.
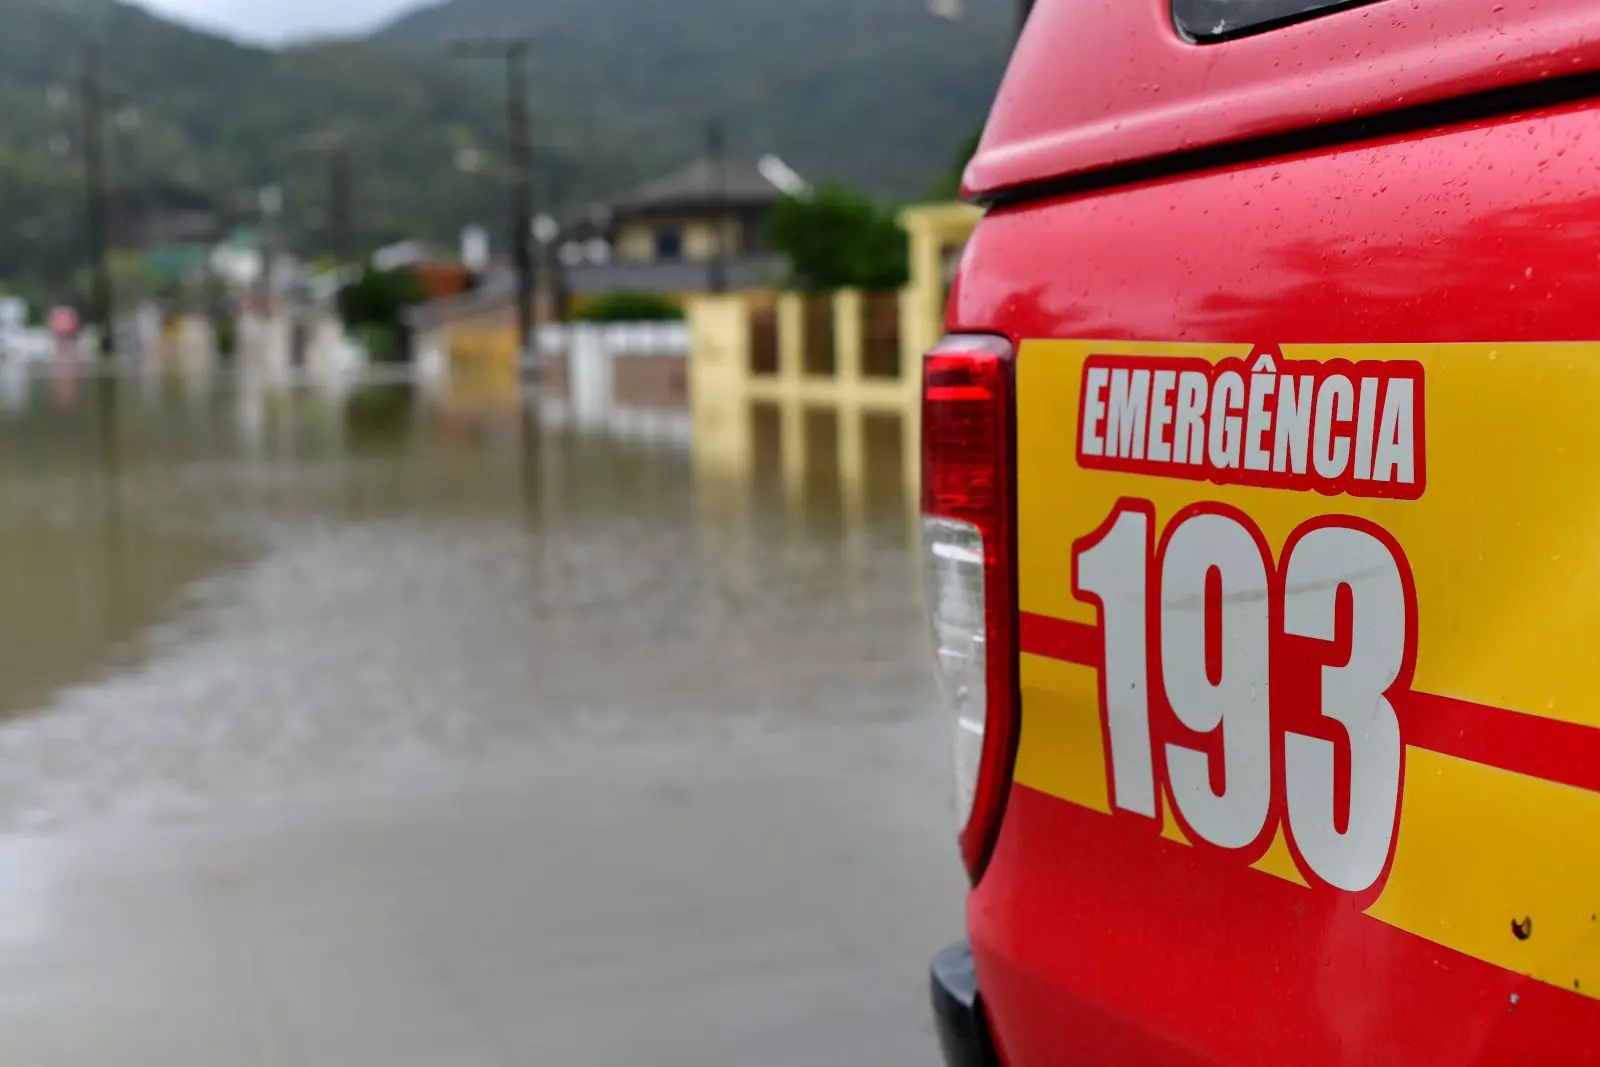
x=847, y=363
x=733, y=389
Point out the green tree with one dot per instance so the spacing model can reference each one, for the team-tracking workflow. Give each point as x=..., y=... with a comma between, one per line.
x=373, y=309
x=379, y=297
x=838, y=238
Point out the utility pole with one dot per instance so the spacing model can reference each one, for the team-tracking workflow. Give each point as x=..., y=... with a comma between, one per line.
x=513, y=52
x=341, y=226
x=716, y=158
x=101, y=297
x=269, y=201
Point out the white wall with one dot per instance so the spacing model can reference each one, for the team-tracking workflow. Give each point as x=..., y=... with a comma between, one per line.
x=591, y=350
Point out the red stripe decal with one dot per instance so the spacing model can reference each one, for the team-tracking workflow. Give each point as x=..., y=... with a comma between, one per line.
x=1074, y=642
x=1556, y=751
x=1496, y=737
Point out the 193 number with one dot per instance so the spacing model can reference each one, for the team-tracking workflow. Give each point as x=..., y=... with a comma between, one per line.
x=1257, y=692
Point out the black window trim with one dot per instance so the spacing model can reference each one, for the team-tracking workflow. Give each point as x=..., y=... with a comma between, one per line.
x=1213, y=21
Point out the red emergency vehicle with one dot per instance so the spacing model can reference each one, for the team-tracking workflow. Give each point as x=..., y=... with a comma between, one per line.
x=1262, y=528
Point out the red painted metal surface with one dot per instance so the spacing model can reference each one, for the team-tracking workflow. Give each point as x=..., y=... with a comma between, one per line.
x=1226, y=966
x=1099, y=946
x=1099, y=82
x=1490, y=232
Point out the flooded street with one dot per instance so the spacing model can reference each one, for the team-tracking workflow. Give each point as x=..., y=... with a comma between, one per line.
x=348, y=727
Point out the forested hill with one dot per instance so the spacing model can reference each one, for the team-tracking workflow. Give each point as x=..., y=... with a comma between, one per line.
x=188, y=108
x=876, y=93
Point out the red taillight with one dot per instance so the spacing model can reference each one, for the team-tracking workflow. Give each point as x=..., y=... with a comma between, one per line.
x=969, y=546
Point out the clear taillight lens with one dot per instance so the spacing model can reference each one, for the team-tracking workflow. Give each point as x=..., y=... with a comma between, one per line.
x=968, y=544
x=953, y=584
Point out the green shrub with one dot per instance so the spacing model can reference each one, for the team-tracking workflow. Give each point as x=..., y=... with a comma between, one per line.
x=627, y=306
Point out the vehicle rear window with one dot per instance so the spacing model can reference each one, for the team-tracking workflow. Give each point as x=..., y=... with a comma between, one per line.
x=1218, y=20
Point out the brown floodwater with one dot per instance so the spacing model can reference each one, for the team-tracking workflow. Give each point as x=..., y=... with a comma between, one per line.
x=349, y=724
x=206, y=590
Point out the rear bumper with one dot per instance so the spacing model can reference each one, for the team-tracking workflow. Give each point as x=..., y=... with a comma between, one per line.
x=963, y=1032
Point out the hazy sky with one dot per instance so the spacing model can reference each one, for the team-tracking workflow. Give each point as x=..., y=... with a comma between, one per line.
x=278, y=20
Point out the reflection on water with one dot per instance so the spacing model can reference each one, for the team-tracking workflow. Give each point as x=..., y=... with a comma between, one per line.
x=214, y=589
x=379, y=416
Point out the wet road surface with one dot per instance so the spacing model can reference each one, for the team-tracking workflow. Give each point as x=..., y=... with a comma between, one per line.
x=353, y=729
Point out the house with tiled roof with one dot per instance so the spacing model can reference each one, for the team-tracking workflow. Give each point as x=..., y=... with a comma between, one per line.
x=708, y=210
x=697, y=229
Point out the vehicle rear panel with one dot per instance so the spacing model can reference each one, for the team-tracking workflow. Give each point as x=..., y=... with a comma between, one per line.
x=1102, y=936
x=1095, y=84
